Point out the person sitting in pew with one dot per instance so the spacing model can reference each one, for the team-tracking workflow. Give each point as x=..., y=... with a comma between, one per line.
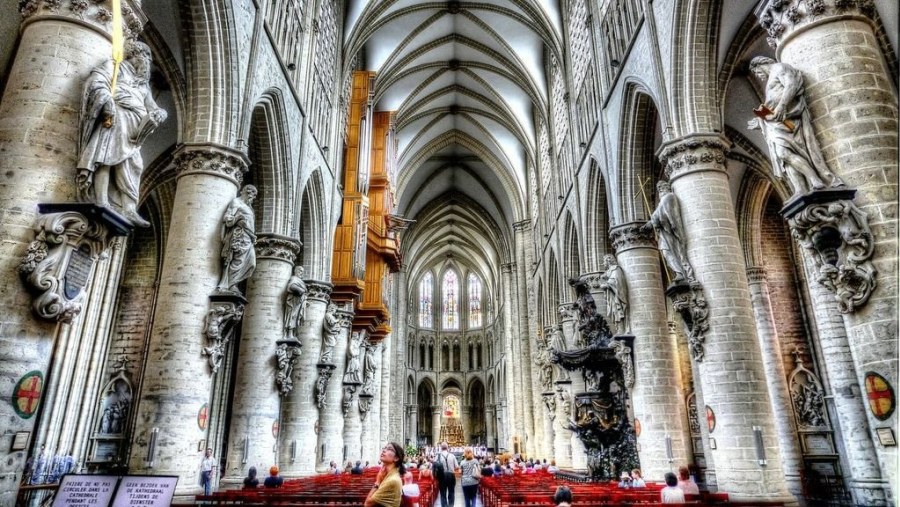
x=251, y=482
x=671, y=493
x=273, y=480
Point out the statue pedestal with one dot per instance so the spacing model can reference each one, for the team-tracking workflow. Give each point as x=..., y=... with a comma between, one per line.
x=796, y=205
x=57, y=266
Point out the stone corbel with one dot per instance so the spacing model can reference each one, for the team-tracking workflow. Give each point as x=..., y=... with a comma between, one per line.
x=550, y=403
x=347, y=400
x=365, y=403
x=286, y=354
x=57, y=266
x=689, y=302
x=325, y=371
x=836, y=234
x=225, y=313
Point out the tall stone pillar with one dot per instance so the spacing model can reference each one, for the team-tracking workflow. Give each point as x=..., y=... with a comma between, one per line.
x=331, y=418
x=371, y=408
x=853, y=107
x=255, y=401
x=177, y=382
x=773, y=362
x=525, y=327
x=567, y=320
x=384, y=396
x=490, y=423
x=657, y=395
x=436, y=425
x=55, y=53
x=730, y=364
x=862, y=471
x=562, y=435
x=299, y=411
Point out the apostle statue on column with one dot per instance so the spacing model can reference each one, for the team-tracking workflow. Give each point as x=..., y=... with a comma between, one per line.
x=670, y=235
x=115, y=121
x=786, y=126
x=238, y=237
x=351, y=374
x=369, y=368
x=294, y=303
x=613, y=283
x=331, y=327
x=558, y=344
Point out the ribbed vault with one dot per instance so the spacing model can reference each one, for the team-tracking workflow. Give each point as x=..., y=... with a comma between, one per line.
x=467, y=82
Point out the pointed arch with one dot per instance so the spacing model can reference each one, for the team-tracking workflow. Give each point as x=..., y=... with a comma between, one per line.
x=638, y=168
x=268, y=151
x=596, y=219
x=314, y=228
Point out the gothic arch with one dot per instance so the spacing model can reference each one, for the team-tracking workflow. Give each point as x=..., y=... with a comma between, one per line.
x=694, y=97
x=638, y=167
x=554, y=290
x=313, y=228
x=596, y=219
x=212, y=62
x=268, y=149
x=572, y=249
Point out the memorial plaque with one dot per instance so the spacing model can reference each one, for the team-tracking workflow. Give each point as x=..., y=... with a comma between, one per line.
x=145, y=490
x=93, y=490
x=77, y=272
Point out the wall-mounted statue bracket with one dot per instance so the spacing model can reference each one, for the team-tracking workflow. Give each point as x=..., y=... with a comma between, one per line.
x=225, y=313
x=57, y=266
x=689, y=302
x=286, y=354
x=325, y=370
x=836, y=234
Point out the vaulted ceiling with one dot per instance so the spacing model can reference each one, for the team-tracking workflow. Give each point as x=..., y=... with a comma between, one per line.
x=468, y=82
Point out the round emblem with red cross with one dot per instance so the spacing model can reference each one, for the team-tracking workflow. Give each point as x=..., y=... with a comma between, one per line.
x=637, y=427
x=27, y=394
x=880, y=395
x=710, y=419
x=203, y=416
x=275, y=429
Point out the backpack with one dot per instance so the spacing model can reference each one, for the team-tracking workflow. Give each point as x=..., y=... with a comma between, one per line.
x=437, y=468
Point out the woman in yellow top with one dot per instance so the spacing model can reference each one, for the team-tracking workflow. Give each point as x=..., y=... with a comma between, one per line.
x=388, y=482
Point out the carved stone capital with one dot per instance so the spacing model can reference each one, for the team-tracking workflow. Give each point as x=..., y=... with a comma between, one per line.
x=318, y=290
x=522, y=225
x=633, y=235
x=365, y=404
x=324, y=375
x=57, y=265
x=694, y=153
x=837, y=237
x=757, y=274
x=274, y=246
x=224, y=315
x=508, y=267
x=689, y=302
x=96, y=14
x=782, y=19
x=592, y=280
x=286, y=354
x=218, y=161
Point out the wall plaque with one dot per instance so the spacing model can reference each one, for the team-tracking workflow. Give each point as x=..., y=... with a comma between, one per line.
x=94, y=490
x=77, y=272
x=149, y=490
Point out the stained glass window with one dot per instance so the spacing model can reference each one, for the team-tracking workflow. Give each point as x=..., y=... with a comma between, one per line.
x=425, y=292
x=449, y=300
x=474, y=289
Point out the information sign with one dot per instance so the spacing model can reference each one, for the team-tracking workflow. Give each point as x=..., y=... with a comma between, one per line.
x=89, y=490
x=145, y=491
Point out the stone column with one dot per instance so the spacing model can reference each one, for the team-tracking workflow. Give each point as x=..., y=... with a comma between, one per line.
x=562, y=435
x=773, y=362
x=657, y=395
x=490, y=421
x=861, y=467
x=730, y=364
x=567, y=320
x=384, y=396
x=299, y=412
x=331, y=426
x=371, y=417
x=255, y=401
x=40, y=107
x=853, y=106
x=177, y=381
x=436, y=425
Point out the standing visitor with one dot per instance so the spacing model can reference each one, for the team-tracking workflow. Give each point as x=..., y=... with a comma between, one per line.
x=447, y=482
x=208, y=466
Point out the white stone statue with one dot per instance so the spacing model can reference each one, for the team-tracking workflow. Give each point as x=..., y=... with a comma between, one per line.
x=351, y=374
x=331, y=327
x=785, y=124
x=558, y=344
x=294, y=303
x=666, y=221
x=613, y=283
x=238, y=238
x=369, y=368
x=114, y=125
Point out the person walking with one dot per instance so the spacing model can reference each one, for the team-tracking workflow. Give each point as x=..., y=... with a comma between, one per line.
x=447, y=483
x=208, y=467
x=471, y=474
